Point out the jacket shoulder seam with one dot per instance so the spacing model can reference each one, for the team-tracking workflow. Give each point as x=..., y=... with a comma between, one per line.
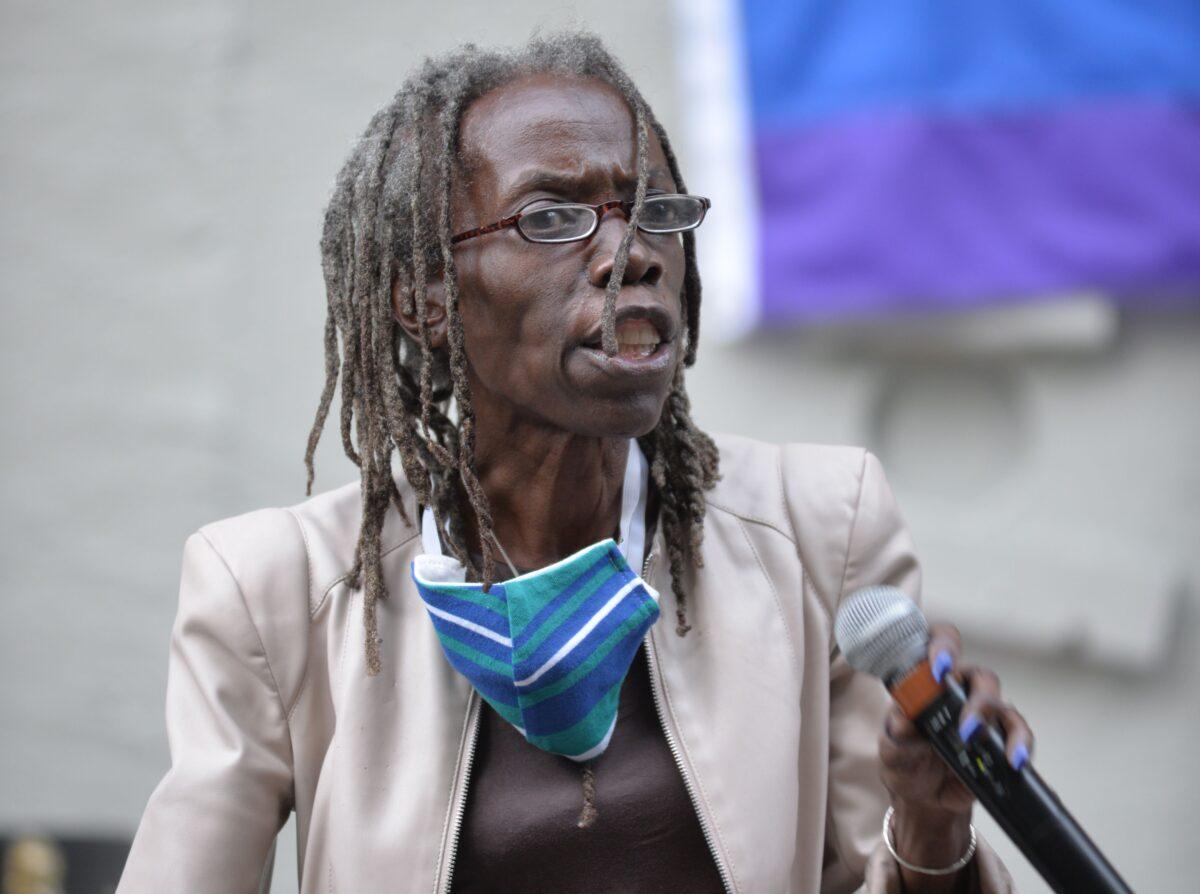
x=787, y=629
x=341, y=578
x=307, y=557
x=862, y=478
x=754, y=519
x=783, y=499
x=274, y=682
x=308, y=603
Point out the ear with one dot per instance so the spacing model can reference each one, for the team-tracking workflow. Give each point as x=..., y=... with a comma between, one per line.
x=404, y=308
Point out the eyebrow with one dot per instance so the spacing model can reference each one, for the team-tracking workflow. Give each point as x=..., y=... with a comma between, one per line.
x=558, y=181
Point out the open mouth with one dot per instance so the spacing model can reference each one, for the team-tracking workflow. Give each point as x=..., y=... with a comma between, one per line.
x=637, y=339
x=645, y=333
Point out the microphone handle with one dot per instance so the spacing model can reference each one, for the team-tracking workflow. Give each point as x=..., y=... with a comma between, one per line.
x=1021, y=803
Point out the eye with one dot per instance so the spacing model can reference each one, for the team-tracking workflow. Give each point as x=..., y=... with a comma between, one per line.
x=556, y=222
x=672, y=213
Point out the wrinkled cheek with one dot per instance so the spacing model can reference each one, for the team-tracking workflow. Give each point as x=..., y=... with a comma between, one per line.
x=514, y=304
x=500, y=342
x=484, y=316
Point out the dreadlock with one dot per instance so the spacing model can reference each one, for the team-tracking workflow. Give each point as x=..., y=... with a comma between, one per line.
x=388, y=222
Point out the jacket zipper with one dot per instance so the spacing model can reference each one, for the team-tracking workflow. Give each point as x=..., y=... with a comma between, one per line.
x=656, y=686
x=460, y=801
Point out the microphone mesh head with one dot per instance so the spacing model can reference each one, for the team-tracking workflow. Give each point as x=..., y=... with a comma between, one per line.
x=881, y=632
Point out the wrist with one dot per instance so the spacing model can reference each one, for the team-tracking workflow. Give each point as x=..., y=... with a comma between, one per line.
x=932, y=837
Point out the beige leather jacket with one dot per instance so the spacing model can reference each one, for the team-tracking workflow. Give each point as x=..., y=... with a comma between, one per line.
x=270, y=709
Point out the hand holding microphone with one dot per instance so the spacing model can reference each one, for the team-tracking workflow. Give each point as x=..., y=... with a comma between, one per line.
x=982, y=749
x=932, y=806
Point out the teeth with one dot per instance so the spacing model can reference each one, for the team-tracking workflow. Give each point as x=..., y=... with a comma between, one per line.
x=636, y=351
x=637, y=334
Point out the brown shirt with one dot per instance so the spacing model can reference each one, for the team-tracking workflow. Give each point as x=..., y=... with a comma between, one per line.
x=519, y=830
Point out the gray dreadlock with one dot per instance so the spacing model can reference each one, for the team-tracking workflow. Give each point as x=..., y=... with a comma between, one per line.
x=388, y=221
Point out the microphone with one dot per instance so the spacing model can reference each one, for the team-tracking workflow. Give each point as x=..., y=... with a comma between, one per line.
x=883, y=633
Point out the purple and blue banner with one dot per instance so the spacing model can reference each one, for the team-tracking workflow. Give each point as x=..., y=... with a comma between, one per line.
x=869, y=157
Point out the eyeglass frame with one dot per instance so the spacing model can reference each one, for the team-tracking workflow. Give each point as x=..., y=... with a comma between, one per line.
x=600, y=210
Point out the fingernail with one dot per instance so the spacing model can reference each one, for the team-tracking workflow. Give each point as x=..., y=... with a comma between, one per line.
x=1020, y=756
x=968, y=727
x=942, y=662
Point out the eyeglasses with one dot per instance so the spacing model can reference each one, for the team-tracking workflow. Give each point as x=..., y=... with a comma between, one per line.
x=570, y=222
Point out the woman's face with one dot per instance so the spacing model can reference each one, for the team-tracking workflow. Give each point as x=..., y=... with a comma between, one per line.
x=531, y=312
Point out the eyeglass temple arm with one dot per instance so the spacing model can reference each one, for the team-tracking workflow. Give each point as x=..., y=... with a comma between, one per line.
x=490, y=228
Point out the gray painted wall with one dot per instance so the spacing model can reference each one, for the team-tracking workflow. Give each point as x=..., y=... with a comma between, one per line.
x=164, y=167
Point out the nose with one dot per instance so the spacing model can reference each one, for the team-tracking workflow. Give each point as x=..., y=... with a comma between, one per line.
x=643, y=266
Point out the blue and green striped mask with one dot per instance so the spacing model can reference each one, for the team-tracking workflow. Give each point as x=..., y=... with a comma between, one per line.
x=548, y=650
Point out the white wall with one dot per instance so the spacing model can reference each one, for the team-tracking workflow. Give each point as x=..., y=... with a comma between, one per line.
x=164, y=168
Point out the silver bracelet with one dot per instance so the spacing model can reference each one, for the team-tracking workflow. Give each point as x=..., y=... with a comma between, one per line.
x=953, y=867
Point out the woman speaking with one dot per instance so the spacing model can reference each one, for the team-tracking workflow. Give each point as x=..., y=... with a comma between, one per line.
x=556, y=638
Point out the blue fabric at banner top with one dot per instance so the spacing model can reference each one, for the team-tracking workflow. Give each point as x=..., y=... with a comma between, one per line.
x=820, y=58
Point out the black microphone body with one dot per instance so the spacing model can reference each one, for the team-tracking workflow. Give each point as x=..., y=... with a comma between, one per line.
x=882, y=632
x=1028, y=811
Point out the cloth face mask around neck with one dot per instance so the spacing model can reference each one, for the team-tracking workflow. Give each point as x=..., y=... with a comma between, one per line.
x=548, y=650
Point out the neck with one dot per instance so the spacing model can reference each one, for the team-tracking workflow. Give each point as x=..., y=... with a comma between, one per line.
x=551, y=492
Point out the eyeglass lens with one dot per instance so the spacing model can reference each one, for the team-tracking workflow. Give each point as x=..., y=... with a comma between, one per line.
x=564, y=223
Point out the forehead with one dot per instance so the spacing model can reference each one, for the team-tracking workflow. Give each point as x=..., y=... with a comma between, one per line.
x=549, y=122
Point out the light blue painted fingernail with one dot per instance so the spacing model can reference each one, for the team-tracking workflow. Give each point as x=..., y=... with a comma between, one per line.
x=1020, y=756
x=968, y=727
x=942, y=662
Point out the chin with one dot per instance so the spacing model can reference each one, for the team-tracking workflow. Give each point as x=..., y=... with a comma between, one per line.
x=629, y=418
